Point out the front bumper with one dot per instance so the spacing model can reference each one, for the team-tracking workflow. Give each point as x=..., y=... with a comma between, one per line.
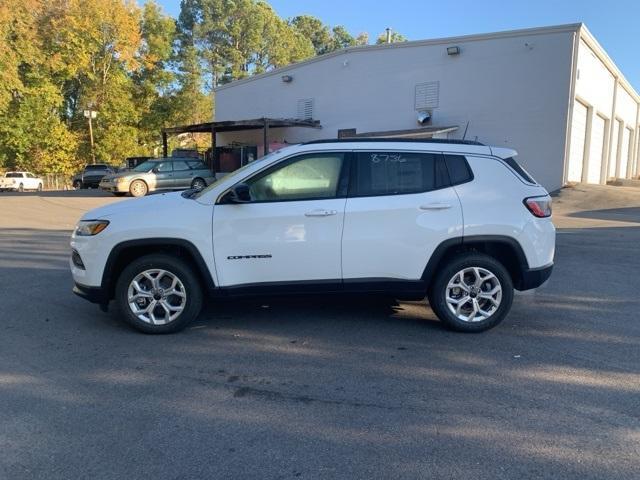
x=92, y=294
x=114, y=187
x=534, y=277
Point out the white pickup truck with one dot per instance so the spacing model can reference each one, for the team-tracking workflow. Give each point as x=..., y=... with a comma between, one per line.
x=20, y=181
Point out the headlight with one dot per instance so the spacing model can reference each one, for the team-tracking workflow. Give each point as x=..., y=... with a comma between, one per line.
x=88, y=228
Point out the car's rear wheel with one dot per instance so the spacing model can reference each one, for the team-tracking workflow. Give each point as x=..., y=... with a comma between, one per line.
x=138, y=188
x=159, y=294
x=39, y=187
x=77, y=184
x=21, y=188
x=198, y=184
x=472, y=293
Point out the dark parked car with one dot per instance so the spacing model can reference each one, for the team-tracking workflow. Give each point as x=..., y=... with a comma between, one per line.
x=91, y=175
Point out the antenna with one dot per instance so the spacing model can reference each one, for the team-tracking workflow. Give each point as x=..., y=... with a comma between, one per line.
x=465, y=130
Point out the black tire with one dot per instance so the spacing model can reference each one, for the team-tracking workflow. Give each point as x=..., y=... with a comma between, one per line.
x=183, y=271
x=138, y=188
x=77, y=185
x=438, y=292
x=198, y=183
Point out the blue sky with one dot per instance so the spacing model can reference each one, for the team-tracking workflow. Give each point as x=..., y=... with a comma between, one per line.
x=614, y=23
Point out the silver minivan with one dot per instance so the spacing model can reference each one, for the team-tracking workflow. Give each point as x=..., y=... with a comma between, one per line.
x=159, y=174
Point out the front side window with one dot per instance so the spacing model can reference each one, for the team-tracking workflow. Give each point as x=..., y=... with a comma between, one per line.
x=396, y=173
x=307, y=177
x=163, y=167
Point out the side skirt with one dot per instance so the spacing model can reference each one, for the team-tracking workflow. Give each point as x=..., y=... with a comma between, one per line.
x=401, y=289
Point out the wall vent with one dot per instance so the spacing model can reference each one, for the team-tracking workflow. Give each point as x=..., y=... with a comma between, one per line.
x=305, y=109
x=427, y=95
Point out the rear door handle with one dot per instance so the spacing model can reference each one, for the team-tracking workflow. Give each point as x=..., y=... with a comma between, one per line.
x=435, y=206
x=320, y=213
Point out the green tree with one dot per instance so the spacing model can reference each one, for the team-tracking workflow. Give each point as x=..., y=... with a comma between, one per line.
x=395, y=38
x=313, y=29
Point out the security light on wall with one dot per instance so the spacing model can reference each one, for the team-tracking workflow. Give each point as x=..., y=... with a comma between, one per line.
x=424, y=117
x=453, y=50
x=287, y=78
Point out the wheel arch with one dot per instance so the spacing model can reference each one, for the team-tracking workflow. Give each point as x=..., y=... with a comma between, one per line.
x=123, y=253
x=506, y=250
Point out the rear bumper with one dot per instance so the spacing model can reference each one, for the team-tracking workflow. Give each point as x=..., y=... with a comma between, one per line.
x=534, y=277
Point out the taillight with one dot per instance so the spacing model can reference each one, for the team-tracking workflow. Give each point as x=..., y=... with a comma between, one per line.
x=539, y=206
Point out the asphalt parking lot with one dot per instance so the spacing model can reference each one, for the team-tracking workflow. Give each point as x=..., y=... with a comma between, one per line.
x=321, y=388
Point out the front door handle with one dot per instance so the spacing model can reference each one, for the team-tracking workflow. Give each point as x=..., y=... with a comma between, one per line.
x=320, y=213
x=435, y=206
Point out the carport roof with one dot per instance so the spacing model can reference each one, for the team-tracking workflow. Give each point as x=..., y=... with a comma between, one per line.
x=238, y=125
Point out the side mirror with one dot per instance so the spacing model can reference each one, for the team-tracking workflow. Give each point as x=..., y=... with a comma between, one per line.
x=239, y=194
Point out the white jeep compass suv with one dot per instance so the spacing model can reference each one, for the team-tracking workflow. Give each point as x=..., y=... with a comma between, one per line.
x=458, y=222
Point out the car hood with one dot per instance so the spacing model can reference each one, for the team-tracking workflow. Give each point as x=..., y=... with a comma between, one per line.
x=155, y=203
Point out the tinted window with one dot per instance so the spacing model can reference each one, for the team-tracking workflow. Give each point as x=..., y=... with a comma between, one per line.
x=459, y=170
x=180, y=166
x=389, y=173
x=312, y=176
x=95, y=168
x=13, y=175
x=197, y=165
x=519, y=170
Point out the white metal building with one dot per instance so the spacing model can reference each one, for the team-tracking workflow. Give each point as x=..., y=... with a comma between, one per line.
x=552, y=93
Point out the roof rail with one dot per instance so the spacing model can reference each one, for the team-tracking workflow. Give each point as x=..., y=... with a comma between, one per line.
x=395, y=140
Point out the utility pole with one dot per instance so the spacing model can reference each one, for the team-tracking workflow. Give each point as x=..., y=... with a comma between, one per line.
x=90, y=115
x=388, y=30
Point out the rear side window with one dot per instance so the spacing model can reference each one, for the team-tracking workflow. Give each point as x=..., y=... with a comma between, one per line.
x=396, y=173
x=519, y=170
x=179, y=166
x=196, y=165
x=459, y=169
x=13, y=175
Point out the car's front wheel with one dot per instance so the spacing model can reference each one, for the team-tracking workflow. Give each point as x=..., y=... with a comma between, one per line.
x=472, y=293
x=198, y=184
x=159, y=294
x=138, y=188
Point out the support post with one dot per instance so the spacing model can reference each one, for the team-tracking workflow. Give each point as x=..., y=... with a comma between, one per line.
x=215, y=161
x=165, y=146
x=265, y=136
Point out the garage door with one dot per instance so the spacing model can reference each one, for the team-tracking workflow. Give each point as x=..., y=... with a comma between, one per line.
x=596, y=149
x=613, y=159
x=576, y=148
x=624, y=153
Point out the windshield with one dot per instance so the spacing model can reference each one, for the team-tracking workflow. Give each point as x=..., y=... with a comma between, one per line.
x=237, y=173
x=146, y=166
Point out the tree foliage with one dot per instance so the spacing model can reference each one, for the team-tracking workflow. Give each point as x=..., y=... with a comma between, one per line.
x=139, y=69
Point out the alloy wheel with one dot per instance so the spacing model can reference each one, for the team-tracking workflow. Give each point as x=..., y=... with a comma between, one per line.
x=473, y=294
x=156, y=296
x=198, y=184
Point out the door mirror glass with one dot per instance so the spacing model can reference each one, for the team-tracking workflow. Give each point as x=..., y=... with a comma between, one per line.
x=239, y=194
